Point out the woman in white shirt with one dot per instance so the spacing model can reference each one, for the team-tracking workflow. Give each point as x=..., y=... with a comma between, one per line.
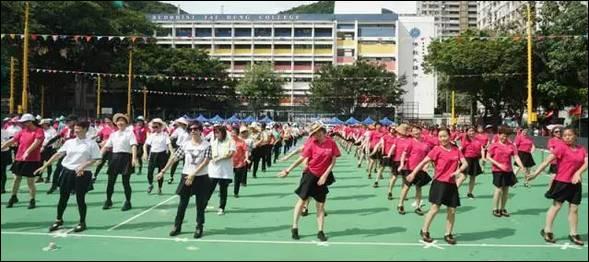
x=196, y=153
x=178, y=137
x=80, y=153
x=124, y=160
x=160, y=145
x=221, y=166
x=47, y=148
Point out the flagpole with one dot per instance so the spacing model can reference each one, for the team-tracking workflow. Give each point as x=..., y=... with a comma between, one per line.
x=144, y=101
x=530, y=113
x=98, y=92
x=129, y=83
x=11, y=107
x=42, y=101
x=25, y=64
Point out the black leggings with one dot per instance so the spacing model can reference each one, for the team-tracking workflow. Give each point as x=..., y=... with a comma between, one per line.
x=268, y=155
x=240, y=177
x=3, y=178
x=174, y=166
x=223, y=184
x=112, y=179
x=156, y=160
x=106, y=157
x=257, y=155
x=277, y=148
x=57, y=173
x=64, y=197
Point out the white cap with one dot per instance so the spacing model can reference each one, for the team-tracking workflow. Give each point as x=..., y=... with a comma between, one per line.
x=45, y=121
x=26, y=117
x=182, y=120
x=38, y=117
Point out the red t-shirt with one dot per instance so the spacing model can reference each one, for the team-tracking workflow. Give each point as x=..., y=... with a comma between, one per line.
x=446, y=162
x=105, y=132
x=552, y=143
x=523, y=143
x=239, y=155
x=482, y=138
x=502, y=153
x=471, y=148
x=568, y=160
x=320, y=155
x=375, y=137
x=389, y=140
x=25, y=138
x=416, y=152
x=401, y=144
x=432, y=140
x=140, y=134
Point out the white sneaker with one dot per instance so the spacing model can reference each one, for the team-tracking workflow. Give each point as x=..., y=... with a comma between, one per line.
x=220, y=212
x=414, y=204
x=210, y=208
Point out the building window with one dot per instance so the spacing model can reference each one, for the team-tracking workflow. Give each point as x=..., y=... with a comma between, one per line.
x=303, y=32
x=243, y=32
x=184, y=32
x=345, y=26
x=222, y=32
x=376, y=30
x=203, y=32
x=164, y=32
x=415, y=67
x=282, y=32
x=323, y=32
x=263, y=32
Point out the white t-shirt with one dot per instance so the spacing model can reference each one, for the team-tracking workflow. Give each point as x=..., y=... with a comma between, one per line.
x=158, y=141
x=5, y=137
x=50, y=133
x=121, y=141
x=222, y=168
x=194, y=155
x=79, y=151
x=180, y=135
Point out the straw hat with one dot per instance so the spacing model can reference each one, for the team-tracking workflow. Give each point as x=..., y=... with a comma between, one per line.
x=26, y=118
x=158, y=121
x=243, y=129
x=46, y=121
x=182, y=120
x=117, y=116
x=402, y=129
x=315, y=127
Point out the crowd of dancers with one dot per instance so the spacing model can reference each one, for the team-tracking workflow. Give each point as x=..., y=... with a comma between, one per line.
x=221, y=154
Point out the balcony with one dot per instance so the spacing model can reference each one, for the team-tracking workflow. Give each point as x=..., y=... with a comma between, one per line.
x=242, y=51
x=282, y=51
x=345, y=43
x=345, y=59
x=323, y=51
x=222, y=51
x=262, y=51
x=303, y=51
x=375, y=49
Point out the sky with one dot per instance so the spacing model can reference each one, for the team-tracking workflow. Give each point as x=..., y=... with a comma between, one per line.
x=269, y=7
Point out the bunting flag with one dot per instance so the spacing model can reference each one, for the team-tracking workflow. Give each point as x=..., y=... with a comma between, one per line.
x=87, y=38
x=158, y=92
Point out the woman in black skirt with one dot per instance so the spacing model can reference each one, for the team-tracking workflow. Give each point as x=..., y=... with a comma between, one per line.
x=78, y=155
x=500, y=154
x=159, y=145
x=444, y=189
x=473, y=150
x=320, y=155
x=571, y=160
x=124, y=160
x=553, y=142
x=195, y=179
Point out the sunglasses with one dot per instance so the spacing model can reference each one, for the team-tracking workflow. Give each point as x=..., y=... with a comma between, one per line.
x=155, y=126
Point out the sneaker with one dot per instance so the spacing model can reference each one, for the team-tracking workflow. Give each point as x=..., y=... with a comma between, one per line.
x=126, y=206
x=375, y=185
x=470, y=195
x=496, y=213
x=56, y=225
x=51, y=190
x=505, y=213
x=576, y=239
x=159, y=191
x=548, y=236
x=107, y=205
x=294, y=232
x=304, y=212
x=149, y=189
x=401, y=210
x=80, y=227
x=198, y=232
x=450, y=239
x=425, y=236
x=419, y=211
x=236, y=195
x=321, y=236
x=175, y=231
x=369, y=176
x=13, y=199
x=221, y=212
x=390, y=196
x=170, y=181
x=32, y=204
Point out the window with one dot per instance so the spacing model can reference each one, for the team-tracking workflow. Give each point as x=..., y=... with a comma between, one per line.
x=303, y=32
x=323, y=32
x=415, y=67
x=282, y=32
x=376, y=30
x=184, y=32
x=345, y=26
x=222, y=32
x=203, y=32
x=243, y=32
x=263, y=32
x=164, y=32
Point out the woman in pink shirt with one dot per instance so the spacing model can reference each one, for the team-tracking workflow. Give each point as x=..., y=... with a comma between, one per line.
x=414, y=153
x=449, y=163
x=397, y=150
x=556, y=139
x=375, y=154
x=385, y=144
x=525, y=147
x=473, y=151
x=107, y=129
x=500, y=155
x=572, y=163
x=28, y=157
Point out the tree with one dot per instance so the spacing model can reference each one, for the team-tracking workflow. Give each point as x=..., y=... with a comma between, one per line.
x=262, y=87
x=321, y=7
x=342, y=89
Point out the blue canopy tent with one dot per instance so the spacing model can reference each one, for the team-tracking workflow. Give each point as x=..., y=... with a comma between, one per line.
x=337, y=121
x=266, y=119
x=216, y=119
x=368, y=121
x=386, y=121
x=352, y=121
x=233, y=119
x=248, y=119
x=201, y=118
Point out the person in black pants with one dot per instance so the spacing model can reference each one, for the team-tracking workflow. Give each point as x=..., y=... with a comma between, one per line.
x=240, y=158
x=257, y=152
x=277, y=134
x=195, y=180
x=66, y=134
x=268, y=145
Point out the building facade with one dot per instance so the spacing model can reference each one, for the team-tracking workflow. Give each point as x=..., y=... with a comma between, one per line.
x=496, y=13
x=451, y=17
x=297, y=45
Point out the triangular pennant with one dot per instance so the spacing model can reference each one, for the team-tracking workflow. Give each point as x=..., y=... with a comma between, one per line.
x=88, y=38
x=2, y=36
x=133, y=39
x=12, y=36
x=110, y=38
x=121, y=38
x=54, y=37
x=76, y=37
x=44, y=37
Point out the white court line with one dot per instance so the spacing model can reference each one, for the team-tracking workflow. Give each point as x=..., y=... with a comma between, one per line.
x=142, y=213
x=559, y=246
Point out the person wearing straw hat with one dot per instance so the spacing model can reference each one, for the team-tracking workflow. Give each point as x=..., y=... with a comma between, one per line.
x=159, y=145
x=320, y=156
x=28, y=157
x=48, y=146
x=107, y=129
x=140, y=131
x=178, y=137
x=124, y=160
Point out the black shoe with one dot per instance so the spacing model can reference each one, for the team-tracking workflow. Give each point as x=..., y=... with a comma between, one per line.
x=55, y=225
x=425, y=236
x=13, y=199
x=198, y=232
x=390, y=196
x=39, y=180
x=170, y=181
x=51, y=190
x=47, y=180
x=321, y=236
x=576, y=239
x=401, y=210
x=175, y=231
x=375, y=185
x=149, y=189
x=295, y=233
x=107, y=204
x=450, y=239
x=159, y=191
x=324, y=213
x=496, y=213
x=504, y=213
x=32, y=204
x=305, y=212
x=236, y=195
x=369, y=176
x=419, y=211
x=126, y=206
x=80, y=227
x=548, y=236
x=254, y=176
x=470, y=195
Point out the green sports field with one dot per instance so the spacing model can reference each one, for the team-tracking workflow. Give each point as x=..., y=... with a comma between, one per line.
x=361, y=224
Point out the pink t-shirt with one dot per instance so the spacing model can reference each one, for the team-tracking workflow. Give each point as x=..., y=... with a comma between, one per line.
x=140, y=134
x=401, y=144
x=482, y=138
x=552, y=143
x=67, y=133
x=25, y=138
x=446, y=162
x=389, y=140
x=471, y=148
x=105, y=132
x=375, y=137
x=523, y=143
x=416, y=152
x=568, y=160
x=320, y=155
x=502, y=153
x=432, y=140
